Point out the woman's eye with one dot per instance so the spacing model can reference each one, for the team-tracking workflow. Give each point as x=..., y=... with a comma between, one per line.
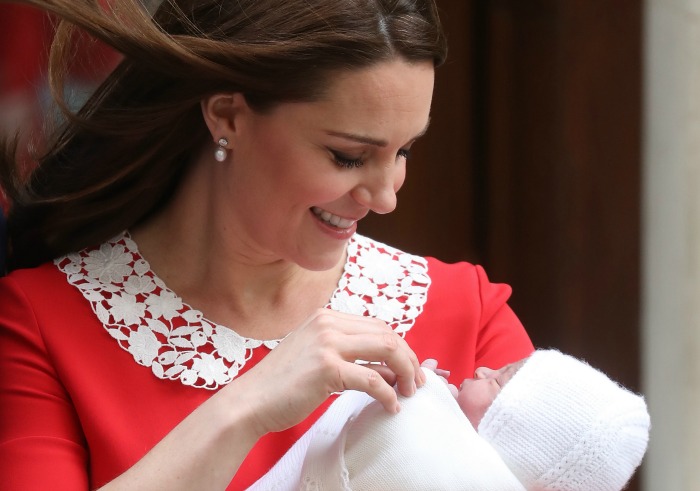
x=346, y=162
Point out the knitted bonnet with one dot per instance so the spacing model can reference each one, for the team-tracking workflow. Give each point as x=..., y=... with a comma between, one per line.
x=560, y=424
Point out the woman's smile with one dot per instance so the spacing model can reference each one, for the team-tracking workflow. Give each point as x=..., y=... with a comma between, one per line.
x=331, y=219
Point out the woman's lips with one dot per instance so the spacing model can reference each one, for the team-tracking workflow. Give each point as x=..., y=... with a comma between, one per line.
x=331, y=219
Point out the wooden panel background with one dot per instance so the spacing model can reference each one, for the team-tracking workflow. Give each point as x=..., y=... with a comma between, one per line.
x=532, y=167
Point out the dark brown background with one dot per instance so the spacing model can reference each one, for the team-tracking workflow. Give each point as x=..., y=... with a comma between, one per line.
x=531, y=167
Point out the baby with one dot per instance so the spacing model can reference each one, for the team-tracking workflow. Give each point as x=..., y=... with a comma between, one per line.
x=549, y=422
x=476, y=395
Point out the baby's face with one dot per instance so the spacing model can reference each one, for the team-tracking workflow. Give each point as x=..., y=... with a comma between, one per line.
x=476, y=394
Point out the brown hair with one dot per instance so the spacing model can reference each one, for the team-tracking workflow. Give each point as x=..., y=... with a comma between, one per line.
x=119, y=158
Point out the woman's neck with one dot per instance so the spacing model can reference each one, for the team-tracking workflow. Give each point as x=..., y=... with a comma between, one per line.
x=214, y=270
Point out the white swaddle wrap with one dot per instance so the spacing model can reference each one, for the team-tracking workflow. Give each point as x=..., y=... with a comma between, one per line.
x=356, y=445
x=559, y=424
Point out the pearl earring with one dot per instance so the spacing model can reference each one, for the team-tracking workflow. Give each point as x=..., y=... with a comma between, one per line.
x=221, y=153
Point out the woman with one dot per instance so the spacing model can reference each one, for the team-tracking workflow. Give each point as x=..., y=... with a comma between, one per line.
x=199, y=212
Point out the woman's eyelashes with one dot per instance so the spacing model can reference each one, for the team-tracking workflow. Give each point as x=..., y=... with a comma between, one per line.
x=348, y=162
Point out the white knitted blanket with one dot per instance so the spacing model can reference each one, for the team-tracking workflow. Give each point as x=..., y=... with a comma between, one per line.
x=356, y=445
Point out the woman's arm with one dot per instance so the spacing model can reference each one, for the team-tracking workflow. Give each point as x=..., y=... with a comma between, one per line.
x=203, y=452
x=314, y=361
x=42, y=442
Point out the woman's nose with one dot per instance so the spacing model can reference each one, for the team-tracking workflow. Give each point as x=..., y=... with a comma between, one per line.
x=484, y=372
x=383, y=200
x=378, y=189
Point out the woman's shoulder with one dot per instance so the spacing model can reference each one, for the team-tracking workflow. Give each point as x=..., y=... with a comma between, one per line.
x=37, y=278
x=32, y=290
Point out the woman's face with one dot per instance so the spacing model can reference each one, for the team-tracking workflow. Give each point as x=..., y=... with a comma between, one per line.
x=477, y=394
x=299, y=178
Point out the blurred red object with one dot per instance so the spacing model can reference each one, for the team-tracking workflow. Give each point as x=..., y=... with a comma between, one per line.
x=25, y=39
x=25, y=34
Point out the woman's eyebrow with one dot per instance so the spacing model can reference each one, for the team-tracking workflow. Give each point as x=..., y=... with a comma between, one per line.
x=359, y=138
x=372, y=141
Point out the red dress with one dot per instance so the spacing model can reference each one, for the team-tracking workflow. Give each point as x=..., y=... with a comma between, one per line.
x=99, y=360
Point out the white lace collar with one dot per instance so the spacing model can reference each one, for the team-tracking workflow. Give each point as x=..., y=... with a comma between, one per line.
x=178, y=343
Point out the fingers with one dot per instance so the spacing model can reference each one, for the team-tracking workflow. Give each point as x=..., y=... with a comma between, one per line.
x=384, y=371
x=319, y=357
x=350, y=338
x=432, y=364
x=409, y=376
x=442, y=373
x=391, y=349
x=370, y=380
x=370, y=339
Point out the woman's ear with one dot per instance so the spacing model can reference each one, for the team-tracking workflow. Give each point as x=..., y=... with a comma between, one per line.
x=223, y=113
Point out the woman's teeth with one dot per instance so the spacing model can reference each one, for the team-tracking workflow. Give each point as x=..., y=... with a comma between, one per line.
x=334, y=220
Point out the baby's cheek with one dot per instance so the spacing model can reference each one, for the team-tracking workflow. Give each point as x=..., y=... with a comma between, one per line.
x=475, y=397
x=473, y=408
x=475, y=414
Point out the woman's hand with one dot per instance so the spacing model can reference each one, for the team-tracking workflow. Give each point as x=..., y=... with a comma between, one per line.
x=318, y=359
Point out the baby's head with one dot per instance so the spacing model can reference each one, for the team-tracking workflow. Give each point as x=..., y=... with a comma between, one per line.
x=555, y=420
x=475, y=395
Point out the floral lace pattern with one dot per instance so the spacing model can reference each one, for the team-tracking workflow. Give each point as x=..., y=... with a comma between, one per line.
x=178, y=343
